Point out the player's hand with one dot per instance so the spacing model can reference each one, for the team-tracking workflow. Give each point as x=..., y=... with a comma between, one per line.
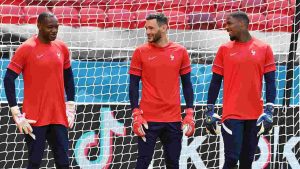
x=22, y=123
x=212, y=120
x=188, y=123
x=70, y=111
x=138, y=123
x=265, y=120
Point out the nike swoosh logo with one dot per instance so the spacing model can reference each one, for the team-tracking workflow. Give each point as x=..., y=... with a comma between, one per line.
x=231, y=54
x=39, y=56
x=151, y=58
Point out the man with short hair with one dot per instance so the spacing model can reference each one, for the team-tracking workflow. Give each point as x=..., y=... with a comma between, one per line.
x=242, y=63
x=45, y=64
x=159, y=64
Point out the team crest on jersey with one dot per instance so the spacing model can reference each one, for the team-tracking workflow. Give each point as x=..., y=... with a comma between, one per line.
x=253, y=52
x=172, y=57
x=58, y=55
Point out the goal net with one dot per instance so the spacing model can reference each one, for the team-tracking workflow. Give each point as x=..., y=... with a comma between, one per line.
x=102, y=34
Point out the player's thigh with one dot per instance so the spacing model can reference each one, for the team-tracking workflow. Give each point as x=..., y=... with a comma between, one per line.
x=36, y=147
x=232, y=132
x=57, y=138
x=250, y=141
x=152, y=133
x=171, y=139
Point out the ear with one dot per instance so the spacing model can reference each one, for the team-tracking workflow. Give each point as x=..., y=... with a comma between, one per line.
x=164, y=27
x=39, y=26
x=242, y=24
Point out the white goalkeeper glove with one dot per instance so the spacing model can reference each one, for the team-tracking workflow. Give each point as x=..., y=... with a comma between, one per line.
x=70, y=111
x=22, y=123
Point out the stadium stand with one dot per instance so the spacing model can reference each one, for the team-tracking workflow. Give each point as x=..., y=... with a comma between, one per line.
x=11, y=14
x=47, y=3
x=140, y=17
x=176, y=5
x=129, y=5
x=68, y=3
x=13, y=2
x=101, y=4
x=196, y=12
x=66, y=15
x=203, y=21
x=278, y=6
x=253, y=6
x=149, y=4
x=292, y=5
x=177, y=19
x=121, y=18
x=31, y=13
x=201, y=6
x=200, y=15
x=227, y=5
x=220, y=19
x=279, y=23
x=92, y=17
x=257, y=22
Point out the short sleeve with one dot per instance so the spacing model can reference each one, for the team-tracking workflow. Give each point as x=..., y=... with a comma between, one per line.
x=218, y=64
x=67, y=61
x=269, y=61
x=136, y=64
x=186, y=63
x=18, y=61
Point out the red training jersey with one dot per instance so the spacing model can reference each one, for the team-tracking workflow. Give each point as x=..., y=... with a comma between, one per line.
x=42, y=66
x=160, y=69
x=242, y=66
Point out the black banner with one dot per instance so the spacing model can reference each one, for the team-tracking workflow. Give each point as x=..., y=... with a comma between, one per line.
x=102, y=138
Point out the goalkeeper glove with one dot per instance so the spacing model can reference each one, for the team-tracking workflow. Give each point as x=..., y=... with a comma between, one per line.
x=265, y=120
x=188, y=124
x=22, y=123
x=70, y=111
x=138, y=123
x=212, y=120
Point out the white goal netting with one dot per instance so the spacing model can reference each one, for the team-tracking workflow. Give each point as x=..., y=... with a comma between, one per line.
x=102, y=34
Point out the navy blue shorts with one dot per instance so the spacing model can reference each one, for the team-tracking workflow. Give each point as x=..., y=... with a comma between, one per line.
x=170, y=135
x=57, y=137
x=240, y=142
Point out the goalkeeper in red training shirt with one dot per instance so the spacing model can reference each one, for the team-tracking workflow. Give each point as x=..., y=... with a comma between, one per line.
x=46, y=68
x=159, y=64
x=242, y=63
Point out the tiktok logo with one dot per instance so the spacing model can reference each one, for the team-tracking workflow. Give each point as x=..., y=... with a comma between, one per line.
x=109, y=127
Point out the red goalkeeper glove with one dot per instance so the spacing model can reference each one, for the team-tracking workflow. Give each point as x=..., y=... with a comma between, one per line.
x=22, y=123
x=70, y=111
x=188, y=124
x=138, y=123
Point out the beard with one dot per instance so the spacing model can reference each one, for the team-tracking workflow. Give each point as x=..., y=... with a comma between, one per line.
x=156, y=37
x=232, y=38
